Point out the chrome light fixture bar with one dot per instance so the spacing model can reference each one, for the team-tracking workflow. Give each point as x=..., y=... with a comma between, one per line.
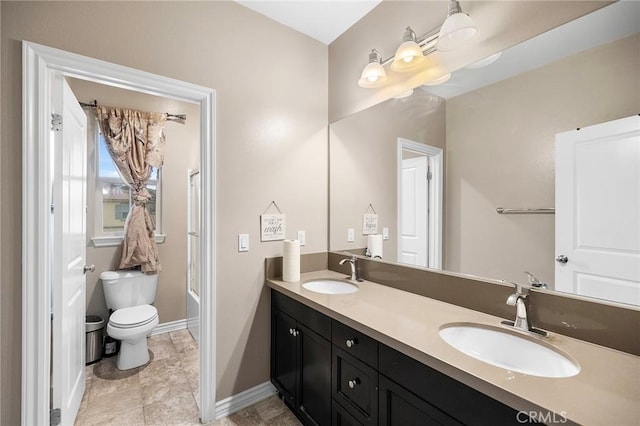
x=456, y=29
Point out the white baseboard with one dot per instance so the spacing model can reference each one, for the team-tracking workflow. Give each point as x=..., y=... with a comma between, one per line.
x=244, y=399
x=167, y=327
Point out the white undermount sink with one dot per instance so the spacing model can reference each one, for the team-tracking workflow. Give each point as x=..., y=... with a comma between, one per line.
x=329, y=286
x=509, y=350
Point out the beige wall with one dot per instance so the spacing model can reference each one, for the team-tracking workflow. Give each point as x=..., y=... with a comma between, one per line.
x=182, y=153
x=500, y=153
x=501, y=24
x=364, y=156
x=271, y=136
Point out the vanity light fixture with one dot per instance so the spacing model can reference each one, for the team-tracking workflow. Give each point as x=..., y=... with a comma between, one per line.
x=373, y=75
x=456, y=29
x=409, y=55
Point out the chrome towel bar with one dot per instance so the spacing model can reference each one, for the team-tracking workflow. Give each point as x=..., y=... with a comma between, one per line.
x=502, y=210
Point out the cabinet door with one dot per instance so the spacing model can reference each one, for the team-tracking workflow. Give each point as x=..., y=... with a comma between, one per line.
x=284, y=368
x=398, y=406
x=314, y=397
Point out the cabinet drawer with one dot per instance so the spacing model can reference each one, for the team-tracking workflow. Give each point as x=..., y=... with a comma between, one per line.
x=341, y=417
x=355, y=343
x=443, y=392
x=355, y=386
x=313, y=319
x=398, y=406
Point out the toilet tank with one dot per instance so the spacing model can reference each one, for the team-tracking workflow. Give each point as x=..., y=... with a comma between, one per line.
x=123, y=289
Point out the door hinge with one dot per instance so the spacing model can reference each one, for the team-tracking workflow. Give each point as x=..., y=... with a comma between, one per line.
x=55, y=417
x=429, y=175
x=56, y=122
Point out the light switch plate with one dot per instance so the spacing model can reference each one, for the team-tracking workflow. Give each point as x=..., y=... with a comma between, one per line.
x=385, y=233
x=302, y=237
x=351, y=235
x=243, y=242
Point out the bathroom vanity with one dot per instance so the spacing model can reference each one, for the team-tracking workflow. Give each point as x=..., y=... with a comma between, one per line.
x=375, y=357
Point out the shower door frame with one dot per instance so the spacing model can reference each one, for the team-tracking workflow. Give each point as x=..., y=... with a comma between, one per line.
x=39, y=65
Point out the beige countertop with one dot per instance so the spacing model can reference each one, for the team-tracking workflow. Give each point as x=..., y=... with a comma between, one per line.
x=605, y=392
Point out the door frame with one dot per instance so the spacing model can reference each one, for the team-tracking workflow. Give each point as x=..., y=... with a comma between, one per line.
x=39, y=64
x=435, y=197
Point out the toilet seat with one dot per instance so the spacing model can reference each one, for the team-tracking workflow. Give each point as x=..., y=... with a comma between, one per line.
x=135, y=316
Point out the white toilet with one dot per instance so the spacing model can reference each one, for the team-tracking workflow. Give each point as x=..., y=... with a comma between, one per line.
x=130, y=294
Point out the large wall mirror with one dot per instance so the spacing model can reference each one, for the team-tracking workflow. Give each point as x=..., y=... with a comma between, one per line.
x=437, y=164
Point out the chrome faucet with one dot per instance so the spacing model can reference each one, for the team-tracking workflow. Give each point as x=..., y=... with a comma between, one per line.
x=519, y=299
x=354, y=268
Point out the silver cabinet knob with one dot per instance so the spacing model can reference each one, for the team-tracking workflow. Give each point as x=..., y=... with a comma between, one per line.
x=350, y=343
x=291, y=332
x=562, y=259
x=354, y=382
x=88, y=268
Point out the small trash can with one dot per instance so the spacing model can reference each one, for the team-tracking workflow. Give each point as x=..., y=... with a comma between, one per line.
x=94, y=327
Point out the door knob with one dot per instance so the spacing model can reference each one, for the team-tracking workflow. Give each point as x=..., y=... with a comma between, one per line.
x=350, y=343
x=562, y=259
x=88, y=268
x=353, y=383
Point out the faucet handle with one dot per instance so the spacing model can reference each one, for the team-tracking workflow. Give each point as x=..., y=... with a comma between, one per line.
x=534, y=281
x=521, y=289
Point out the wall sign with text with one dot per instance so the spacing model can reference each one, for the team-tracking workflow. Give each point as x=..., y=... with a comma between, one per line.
x=272, y=226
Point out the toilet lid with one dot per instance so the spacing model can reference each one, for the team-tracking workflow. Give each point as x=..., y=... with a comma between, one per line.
x=133, y=316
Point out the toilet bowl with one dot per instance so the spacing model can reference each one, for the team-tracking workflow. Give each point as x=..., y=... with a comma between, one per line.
x=130, y=294
x=132, y=326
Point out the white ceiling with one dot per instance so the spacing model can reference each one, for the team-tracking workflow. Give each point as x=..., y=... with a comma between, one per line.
x=322, y=20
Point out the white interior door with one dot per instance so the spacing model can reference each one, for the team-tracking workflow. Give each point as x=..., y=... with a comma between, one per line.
x=598, y=211
x=414, y=220
x=69, y=216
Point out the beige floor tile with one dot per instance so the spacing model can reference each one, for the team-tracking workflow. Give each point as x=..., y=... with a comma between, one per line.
x=246, y=417
x=165, y=389
x=285, y=419
x=105, y=388
x=132, y=417
x=183, y=341
x=162, y=370
x=101, y=408
x=178, y=410
x=270, y=408
x=161, y=346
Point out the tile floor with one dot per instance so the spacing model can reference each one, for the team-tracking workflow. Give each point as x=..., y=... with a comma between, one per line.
x=162, y=392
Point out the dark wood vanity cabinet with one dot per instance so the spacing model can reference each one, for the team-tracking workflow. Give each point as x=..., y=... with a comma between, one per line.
x=331, y=374
x=301, y=359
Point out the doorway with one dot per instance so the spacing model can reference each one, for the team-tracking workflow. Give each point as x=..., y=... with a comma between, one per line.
x=419, y=204
x=41, y=66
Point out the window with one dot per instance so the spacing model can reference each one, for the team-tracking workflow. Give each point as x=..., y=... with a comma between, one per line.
x=114, y=199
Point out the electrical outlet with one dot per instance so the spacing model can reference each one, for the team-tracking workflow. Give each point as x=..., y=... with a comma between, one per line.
x=351, y=235
x=385, y=233
x=302, y=237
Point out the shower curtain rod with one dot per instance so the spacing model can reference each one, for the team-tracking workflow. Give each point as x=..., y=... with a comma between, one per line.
x=169, y=116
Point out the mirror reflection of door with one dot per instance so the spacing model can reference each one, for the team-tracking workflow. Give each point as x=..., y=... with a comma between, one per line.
x=597, y=211
x=419, y=204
